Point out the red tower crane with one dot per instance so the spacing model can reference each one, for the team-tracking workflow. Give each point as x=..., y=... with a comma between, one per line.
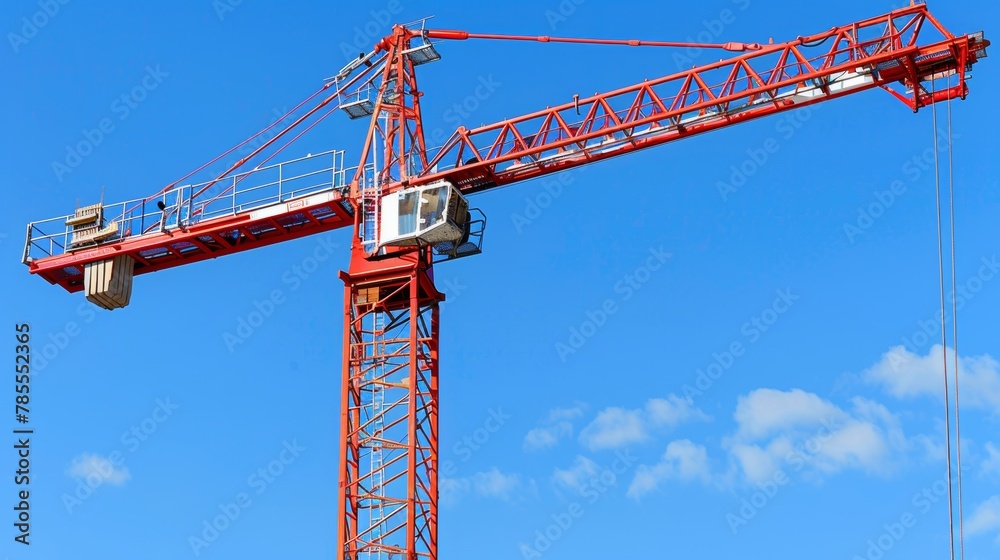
x=407, y=205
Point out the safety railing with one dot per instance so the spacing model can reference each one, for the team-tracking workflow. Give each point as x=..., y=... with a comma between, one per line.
x=190, y=204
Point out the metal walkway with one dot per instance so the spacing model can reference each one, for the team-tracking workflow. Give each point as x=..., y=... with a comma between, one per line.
x=179, y=208
x=291, y=199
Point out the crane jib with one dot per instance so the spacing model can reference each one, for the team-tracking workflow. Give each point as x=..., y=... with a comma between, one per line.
x=191, y=223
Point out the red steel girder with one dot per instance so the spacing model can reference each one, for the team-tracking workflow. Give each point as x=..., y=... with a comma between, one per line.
x=401, y=135
x=205, y=240
x=890, y=49
x=463, y=35
x=388, y=492
x=893, y=49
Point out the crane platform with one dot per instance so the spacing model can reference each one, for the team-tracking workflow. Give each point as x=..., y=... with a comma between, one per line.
x=190, y=223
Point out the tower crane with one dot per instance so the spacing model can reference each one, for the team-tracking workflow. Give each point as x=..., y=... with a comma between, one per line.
x=409, y=210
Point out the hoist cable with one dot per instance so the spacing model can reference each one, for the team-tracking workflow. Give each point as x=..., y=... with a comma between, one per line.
x=944, y=331
x=954, y=336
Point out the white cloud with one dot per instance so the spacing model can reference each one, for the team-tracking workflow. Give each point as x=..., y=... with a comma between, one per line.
x=567, y=414
x=614, y=427
x=986, y=518
x=907, y=375
x=556, y=426
x=96, y=470
x=933, y=448
x=495, y=484
x=577, y=475
x=991, y=465
x=451, y=490
x=486, y=484
x=859, y=444
x=795, y=430
x=683, y=460
x=673, y=411
x=546, y=437
x=768, y=410
x=759, y=463
x=617, y=427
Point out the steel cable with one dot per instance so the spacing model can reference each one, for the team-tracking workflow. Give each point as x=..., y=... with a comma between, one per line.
x=944, y=331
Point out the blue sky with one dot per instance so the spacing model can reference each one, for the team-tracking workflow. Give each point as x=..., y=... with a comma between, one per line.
x=820, y=431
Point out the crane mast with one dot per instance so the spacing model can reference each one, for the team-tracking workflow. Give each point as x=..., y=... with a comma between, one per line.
x=388, y=490
x=407, y=206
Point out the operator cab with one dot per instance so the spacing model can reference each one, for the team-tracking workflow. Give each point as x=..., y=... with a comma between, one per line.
x=436, y=214
x=426, y=215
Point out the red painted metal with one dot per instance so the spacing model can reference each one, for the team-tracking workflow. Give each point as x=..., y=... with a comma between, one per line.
x=891, y=49
x=202, y=241
x=546, y=142
x=388, y=494
x=389, y=425
x=894, y=48
x=402, y=134
x=463, y=35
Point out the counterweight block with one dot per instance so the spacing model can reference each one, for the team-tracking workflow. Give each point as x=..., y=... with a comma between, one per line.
x=108, y=283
